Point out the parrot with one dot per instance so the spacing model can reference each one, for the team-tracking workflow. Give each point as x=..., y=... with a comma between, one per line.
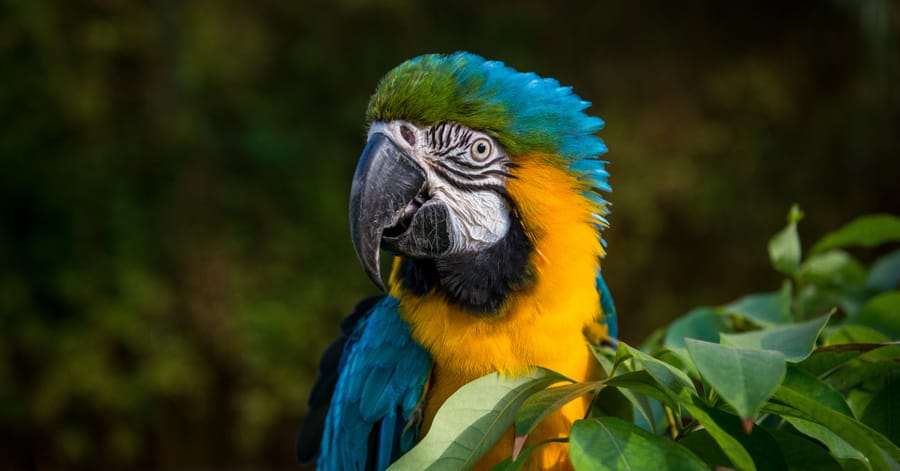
x=486, y=185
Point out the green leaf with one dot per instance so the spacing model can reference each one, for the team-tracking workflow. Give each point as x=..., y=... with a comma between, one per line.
x=657, y=379
x=608, y=443
x=613, y=401
x=623, y=353
x=732, y=448
x=802, y=454
x=855, y=334
x=882, y=413
x=826, y=358
x=889, y=351
x=839, y=447
x=795, y=341
x=680, y=359
x=604, y=357
x=884, y=274
x=881, y=313
x=866, y=231
x=744, y=378
x=764, y=309
x=704, y=445
x=543, y=403
x=671, y=379
x=858, y=399
x=858, y=435
x=763, y=449
x=858, y=372
x=472, y=420
x=798, y=379
x=834, y=267
x=784, y=247
x=815, y=299
x=797, y=452
x=645, y=384
x=702, y=323
x=652, y=416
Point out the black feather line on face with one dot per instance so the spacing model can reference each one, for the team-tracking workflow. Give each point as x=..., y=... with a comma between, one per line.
x=447, y=172
x=480, y=282
x=497, y=172
x=470, y=165
x=471, y=187
x=442, y=166
x=445, y=137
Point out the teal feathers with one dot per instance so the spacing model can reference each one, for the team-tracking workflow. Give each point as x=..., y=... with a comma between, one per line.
x=382, y=375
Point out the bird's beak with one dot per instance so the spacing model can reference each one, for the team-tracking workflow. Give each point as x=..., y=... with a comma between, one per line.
x=385, y=186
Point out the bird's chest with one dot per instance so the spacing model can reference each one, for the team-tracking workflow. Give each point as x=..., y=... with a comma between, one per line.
x=464, y=347
x=462, y=356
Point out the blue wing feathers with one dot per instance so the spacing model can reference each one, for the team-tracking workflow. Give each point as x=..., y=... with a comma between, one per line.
x=608, y=306
x=313, y=426
x=384, y=454
x=382, y=369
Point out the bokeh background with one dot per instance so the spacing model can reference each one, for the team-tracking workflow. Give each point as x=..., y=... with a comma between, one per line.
x=174, y=252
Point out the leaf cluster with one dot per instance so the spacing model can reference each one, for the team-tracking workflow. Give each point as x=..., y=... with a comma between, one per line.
x=802, y=378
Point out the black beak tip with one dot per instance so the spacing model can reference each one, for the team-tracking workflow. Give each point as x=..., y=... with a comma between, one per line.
x=375, y=275
x=379, y=283
x=368, y=251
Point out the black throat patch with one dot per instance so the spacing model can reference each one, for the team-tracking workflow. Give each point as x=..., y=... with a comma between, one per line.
x=480, y=282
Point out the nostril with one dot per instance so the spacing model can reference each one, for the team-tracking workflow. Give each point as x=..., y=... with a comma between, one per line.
x=408, y=135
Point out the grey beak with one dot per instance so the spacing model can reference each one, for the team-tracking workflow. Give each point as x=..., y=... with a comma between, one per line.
x=386, y=181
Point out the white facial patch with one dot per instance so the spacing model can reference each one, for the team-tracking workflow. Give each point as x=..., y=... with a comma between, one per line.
x=482, y=218
x=466, y=170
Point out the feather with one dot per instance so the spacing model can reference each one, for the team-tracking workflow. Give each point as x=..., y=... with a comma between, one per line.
x=381, y=368
x=312, y=427
x=608, y=306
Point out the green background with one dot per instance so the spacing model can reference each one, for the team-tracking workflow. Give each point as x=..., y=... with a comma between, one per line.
x=174, y=253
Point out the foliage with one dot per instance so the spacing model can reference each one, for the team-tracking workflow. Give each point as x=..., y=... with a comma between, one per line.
x=802, y=378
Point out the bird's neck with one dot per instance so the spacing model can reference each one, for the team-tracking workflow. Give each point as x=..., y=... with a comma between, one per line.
x=556, y=300
x=480, y=282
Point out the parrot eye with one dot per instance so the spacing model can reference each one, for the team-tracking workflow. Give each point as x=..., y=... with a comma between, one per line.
x=408, y=135
x=480, y=149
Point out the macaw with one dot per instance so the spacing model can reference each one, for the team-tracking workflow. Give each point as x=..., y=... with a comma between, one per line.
x=486, y=185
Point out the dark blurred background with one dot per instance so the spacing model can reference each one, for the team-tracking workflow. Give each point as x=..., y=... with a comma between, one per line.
x=174, y=253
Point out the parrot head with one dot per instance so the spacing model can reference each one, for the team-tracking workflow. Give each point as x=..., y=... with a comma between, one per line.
x=446, y=139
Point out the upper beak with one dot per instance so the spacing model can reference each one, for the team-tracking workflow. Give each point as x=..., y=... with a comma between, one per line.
x=386, y=181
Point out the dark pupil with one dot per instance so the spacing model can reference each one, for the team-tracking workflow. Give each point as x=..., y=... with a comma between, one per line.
x=480, y=148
